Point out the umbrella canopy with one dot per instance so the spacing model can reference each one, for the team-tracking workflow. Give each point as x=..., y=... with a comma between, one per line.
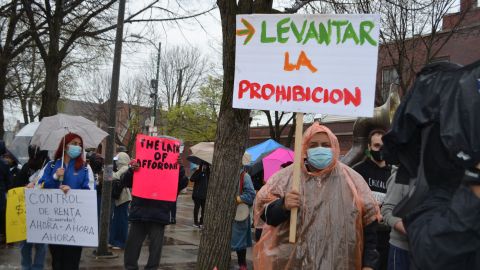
x=267, y=146
x=28, y=130
x=273, y=161
x=201, y=152
x=19, y=146
x=53, y=128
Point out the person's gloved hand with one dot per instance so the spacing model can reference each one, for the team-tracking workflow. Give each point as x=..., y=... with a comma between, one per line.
x=134, y=165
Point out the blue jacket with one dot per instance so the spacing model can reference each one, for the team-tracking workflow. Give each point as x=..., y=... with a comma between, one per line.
x=241, y=230
x=76, y=179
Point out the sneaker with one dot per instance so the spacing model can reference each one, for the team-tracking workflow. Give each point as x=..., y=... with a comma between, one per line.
x=116, y=248
x=243, y=267
x=196, y=225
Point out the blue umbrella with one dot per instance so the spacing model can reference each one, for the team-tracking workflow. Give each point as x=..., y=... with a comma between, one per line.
x=265, y=147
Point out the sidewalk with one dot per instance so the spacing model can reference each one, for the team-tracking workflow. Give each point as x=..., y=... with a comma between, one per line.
x=180, y=247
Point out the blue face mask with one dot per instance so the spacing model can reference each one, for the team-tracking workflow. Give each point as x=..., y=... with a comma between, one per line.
x=319, y=157
x=74, y=151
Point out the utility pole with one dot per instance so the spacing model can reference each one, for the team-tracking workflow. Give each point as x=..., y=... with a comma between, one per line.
x=179, y=91
x=102, y=250
x=154, y=85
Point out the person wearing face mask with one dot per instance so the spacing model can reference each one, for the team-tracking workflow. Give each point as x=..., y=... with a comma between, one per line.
x=74, y=174
x=28, y=176
x=5, y=183
x=337, y=213
x=376, y=173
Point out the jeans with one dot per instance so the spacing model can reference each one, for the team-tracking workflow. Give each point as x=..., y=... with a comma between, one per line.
x=38, y=259
x=136, y=235
x=119, y=225
x=398, y=259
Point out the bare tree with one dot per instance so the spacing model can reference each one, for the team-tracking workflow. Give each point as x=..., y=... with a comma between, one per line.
x=135, y=95
x=70, y=25
x=276, y=126
x=411, y=33
x=26, y=78
x=14, y=39
x=67, y=23
x=182, y=71
x=211, y=94
x=132, y=111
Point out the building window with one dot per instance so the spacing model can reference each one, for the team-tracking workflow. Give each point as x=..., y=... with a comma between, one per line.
x=389, y=76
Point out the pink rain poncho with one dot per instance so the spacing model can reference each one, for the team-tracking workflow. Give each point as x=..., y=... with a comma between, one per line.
x=336, y=204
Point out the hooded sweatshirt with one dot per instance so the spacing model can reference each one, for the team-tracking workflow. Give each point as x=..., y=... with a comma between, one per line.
x=122, y=166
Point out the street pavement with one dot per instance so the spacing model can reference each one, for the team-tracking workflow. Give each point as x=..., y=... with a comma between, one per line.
x=180, y=248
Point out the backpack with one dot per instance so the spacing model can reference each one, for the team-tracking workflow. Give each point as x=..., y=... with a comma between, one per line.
x=117, y=187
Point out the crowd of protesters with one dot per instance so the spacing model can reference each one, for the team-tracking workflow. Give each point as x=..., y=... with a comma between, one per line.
x=411, y=203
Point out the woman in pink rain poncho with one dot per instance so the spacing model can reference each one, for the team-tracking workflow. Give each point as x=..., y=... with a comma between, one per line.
x=337, y=213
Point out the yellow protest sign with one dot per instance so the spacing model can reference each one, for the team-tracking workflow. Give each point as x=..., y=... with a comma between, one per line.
x=16, y=215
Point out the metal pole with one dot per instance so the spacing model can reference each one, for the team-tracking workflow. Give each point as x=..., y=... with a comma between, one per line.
x=112, y=120
x=179, y=91
x=156, y=85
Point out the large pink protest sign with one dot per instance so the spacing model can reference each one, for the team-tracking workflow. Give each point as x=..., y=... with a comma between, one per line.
x=157, y=177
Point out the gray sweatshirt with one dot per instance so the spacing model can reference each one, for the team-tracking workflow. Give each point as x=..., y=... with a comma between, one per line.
x=395, y=193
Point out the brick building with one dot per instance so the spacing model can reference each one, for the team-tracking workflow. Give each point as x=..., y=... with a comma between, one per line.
x=457, y=41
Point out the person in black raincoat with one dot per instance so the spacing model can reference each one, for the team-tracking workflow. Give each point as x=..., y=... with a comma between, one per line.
x=5, y=183
x=435, y=141
x=200, y=185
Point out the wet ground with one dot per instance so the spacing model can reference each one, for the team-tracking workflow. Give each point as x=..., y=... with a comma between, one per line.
x=179, y=251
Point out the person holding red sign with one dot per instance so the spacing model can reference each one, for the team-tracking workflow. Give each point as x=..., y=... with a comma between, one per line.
x=148, y=217
x=337, y=213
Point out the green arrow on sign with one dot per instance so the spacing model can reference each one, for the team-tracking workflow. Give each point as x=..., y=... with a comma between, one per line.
x=249, y=31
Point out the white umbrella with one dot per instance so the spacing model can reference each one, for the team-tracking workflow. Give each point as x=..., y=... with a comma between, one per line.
x=201, y=152
x=53, y=128
x=19, y=146
x=28, y=130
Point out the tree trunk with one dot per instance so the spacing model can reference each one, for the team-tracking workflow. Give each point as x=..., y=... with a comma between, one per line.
x=50, y=94
x=23, y=105
x=31, y=115
x=291, y=132
x=3, y=86
x=230, y=143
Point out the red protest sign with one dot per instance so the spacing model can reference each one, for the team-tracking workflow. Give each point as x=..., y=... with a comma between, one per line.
x=157, y=177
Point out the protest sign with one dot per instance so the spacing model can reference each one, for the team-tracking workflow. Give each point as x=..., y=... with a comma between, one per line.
x=16, y=215
x=157, y=177
x=306, y=63
x=54, y=217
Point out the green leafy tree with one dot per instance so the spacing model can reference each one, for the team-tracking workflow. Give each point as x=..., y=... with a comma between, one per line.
x=192, y=122
x=196, y=122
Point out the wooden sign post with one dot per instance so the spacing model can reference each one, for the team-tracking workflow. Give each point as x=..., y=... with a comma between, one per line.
x=296, y=173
